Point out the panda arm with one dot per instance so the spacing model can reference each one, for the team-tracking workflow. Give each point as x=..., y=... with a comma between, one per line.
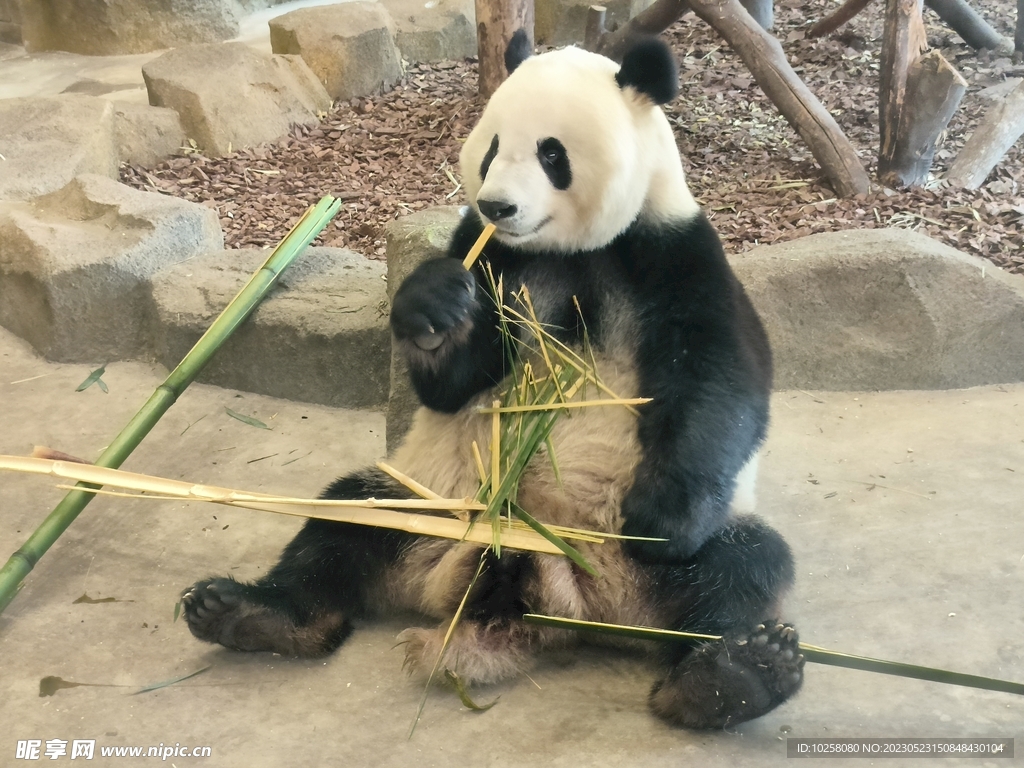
x=703, y=358
x=446, y=323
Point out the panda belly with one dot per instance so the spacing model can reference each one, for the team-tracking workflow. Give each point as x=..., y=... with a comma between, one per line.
x=597, y=451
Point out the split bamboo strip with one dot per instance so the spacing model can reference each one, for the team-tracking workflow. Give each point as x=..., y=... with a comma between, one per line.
x=560, y=406
x=376, y=512
x=478, y=246
x=308, y=227
x=812, y=653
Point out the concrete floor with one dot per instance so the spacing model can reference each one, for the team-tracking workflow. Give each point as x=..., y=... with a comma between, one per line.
x=903, y=508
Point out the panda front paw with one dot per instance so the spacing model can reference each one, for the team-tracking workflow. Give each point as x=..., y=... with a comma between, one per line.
x=434, y=304
x=731, y=681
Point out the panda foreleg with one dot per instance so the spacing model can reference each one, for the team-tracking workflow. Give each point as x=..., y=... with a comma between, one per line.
x=329, y=573
x=732, y=587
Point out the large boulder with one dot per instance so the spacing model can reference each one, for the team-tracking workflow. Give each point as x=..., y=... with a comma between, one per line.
x=105, y=27
x=230, y=96
x=885, y=309
x=47, y=141
x=434, y=31
x=563, y=22
x=349, y=46
x=321, y=336
x=75, y=265
x=411, y=240
x=146, y=135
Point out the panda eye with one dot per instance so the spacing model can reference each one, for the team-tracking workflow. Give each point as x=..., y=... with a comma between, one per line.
x=555, y=161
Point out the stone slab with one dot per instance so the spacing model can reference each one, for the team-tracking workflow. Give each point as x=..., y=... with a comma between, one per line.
x=411, y=240
x=434, y=31
x=349, y=46
x=75, y=265
x=146, y=135
x=885, y=309
x=254, y=98
x=47, y=141
x=104, y=27
x=321, y=336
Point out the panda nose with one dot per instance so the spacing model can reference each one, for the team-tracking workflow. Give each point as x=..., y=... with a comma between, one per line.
x=496, y=210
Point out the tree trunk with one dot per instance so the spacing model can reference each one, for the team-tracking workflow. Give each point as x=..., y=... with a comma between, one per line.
x=652, y=21
x=1002, y=125
x=918, y=96
x=840, y=16
x=496, y=22
x=1018, y=38
x=963, y=19
x=762, y=11
x=767, y=62
x=595, y=27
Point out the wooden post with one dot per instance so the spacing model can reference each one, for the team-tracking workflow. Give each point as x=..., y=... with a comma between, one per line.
x=496, y=22
x=661, y=15
x=1002, y=125
x=767, y=62
x=1018, y=38
x=595, y=29
x=918, y=96
x=965, y=21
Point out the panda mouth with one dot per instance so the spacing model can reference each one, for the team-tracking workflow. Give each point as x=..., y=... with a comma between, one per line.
x=519, y=235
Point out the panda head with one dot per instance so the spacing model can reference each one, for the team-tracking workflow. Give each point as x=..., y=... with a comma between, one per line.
x=572, y=149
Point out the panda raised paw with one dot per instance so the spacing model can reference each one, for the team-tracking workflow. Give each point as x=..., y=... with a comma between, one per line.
x=433, y=303
x=733, y=680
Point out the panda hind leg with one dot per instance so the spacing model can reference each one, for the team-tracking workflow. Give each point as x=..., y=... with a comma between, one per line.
x=329, y=574
x=731, y=587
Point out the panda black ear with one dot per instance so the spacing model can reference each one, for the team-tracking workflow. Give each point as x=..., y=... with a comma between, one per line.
x=650, y=69
x=518, y=51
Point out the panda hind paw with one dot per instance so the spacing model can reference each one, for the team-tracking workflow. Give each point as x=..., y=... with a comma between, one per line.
x=731, y=681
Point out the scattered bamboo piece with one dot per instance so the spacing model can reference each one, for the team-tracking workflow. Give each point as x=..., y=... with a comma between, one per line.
x=560, y=406
x=306, y=228
x=812, y=653
x=478, y=246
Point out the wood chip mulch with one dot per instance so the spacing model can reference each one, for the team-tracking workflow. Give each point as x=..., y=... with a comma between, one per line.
x=398, y=153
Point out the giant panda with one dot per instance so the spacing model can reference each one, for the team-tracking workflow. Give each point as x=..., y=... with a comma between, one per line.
x=574, y=162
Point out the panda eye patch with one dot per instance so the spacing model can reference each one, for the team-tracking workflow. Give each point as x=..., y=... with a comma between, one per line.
x=489, y=157
x=555, y=162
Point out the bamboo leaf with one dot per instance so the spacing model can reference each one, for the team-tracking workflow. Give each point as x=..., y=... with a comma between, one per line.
x=177, y=611
x=569, y=551
x=165, y=683
x=812, y=653
x=92, y=378
x=246, y=419
x=464, y=697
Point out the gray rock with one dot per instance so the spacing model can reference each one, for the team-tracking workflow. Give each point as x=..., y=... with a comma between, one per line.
x=563, y=22
x=10, y=22
x=47, y=141
x=253, y=98
x=350, y=47
x=74, y=265
x=439, y=31
x=885, y=309
x=321, y=336
x=105, y=27
x=146, y=135
x=411, y=240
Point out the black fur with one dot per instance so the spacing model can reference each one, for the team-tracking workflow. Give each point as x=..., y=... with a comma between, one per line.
x=519, y=49
x=649, y=68
x=492, y=152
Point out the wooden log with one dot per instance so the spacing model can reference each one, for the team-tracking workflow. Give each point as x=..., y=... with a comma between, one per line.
x=902, y=42
x=595, y=27
x=965, y=21
x=762, y=11
x=837, y=18
x=998, y=130
x=496, y=22
x=934, y=90
x=656, y=19
x=1018, y=38
x=767, y=62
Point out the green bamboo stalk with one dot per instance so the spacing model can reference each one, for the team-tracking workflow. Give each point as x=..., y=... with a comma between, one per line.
x=294, y=243
x=812, y=653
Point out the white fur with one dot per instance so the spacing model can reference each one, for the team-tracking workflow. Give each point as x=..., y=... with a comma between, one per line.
x=621, y=150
